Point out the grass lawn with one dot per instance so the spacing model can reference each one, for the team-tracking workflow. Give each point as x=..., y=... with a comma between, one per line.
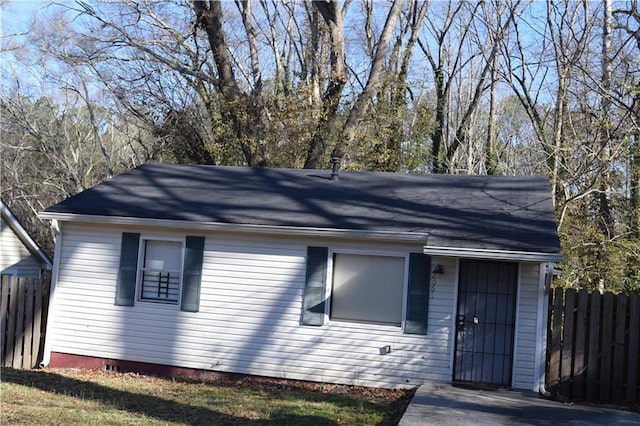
x=67, y=397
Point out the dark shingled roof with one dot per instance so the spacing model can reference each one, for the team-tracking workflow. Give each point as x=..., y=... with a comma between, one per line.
x=458, y=211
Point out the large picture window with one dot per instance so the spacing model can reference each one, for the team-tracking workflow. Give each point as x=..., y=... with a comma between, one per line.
x=367, y=288
x=160, y=274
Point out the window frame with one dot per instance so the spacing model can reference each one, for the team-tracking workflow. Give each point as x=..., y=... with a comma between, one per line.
x=404, y=255
x=140, y=268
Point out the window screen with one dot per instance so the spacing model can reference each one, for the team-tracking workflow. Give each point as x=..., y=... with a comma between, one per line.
x=160, y=274
x=367, y=288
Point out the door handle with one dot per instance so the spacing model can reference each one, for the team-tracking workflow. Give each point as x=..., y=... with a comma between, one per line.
x=476, y=321
x=460, y=321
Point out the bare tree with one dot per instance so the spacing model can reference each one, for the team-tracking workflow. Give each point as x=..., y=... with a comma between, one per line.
x=450, y=30
x=604, y=208
x=565, y=33
x=494, y=87
x=627, y=21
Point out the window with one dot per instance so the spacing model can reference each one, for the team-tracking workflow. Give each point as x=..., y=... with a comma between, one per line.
x=367, y=288
x=163, y=272
x=160, y=273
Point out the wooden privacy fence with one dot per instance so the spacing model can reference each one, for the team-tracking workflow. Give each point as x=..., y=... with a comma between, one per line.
x=24, y=303
x=594, y=347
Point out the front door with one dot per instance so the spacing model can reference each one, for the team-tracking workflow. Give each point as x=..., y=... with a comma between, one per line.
x=485, y=322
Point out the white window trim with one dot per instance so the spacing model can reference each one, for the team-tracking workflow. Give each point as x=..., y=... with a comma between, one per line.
x=141, y=247
x=405, y=292
x=369, y=252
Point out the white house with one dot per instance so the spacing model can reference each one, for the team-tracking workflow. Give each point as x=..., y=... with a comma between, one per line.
x=380, y=279
x=20, y=255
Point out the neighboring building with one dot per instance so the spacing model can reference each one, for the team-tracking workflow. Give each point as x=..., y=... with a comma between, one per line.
x=19, y=253
x=379, y=279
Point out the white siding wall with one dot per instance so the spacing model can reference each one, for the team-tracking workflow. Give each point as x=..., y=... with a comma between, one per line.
x=14, y=256
x=526, y=327
x=249, y=319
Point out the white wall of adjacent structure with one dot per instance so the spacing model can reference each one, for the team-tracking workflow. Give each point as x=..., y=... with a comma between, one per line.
x=15, y=258
x=250, y=314
x=527, y=333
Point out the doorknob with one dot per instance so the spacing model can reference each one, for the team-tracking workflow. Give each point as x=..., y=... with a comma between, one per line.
x=461, y=321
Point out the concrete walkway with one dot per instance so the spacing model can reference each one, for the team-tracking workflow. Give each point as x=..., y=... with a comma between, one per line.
x=443, y=404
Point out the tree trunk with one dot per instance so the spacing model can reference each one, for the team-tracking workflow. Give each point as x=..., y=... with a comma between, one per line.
x=332, y=16
x=361, y=106
x=399, y=89
x=604, y=205
x=437, y=137
x=490, y=156
x=246, y=113
x=555, y=150
x=635, y=185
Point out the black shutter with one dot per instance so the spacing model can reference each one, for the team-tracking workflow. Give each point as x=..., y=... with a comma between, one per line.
x=314, y=290
x=128, y=271
x=418, y=294
x=192, y=273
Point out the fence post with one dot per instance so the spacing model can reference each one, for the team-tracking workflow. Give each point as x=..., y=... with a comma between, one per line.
x=567, y=343
x=579, y=367
x=555, y=340
x=4, y=309
x=633, y=353
x=617, y=395
x=594, y=346
x=18, y=291
x=43, y=312
x=11, y=322
x=607, y=347
x=28, y=323
x=37, y=322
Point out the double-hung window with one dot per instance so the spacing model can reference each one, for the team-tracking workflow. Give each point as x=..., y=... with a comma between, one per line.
x=161, y=271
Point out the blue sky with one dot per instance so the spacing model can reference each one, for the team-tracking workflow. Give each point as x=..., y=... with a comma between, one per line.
x=16, y=15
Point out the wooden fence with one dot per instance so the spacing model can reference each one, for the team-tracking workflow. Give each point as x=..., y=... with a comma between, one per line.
x=23, y=308
x=594, y=347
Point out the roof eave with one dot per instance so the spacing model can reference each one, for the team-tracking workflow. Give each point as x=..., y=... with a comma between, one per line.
x=24, y=237
x=493, y=254
x=419, y=237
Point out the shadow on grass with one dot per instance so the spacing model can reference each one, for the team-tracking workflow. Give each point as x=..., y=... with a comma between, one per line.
x=390, y=404
x=143, y=404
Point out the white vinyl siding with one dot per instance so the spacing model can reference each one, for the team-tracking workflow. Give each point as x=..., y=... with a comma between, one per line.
x=15, y=258
x=526, y=327
x=249, y=319
x=367, y=288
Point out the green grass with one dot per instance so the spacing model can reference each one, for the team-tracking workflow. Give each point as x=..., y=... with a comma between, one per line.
x=68, y=397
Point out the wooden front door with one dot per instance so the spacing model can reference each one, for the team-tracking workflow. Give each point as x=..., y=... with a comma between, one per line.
x=485, y=322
